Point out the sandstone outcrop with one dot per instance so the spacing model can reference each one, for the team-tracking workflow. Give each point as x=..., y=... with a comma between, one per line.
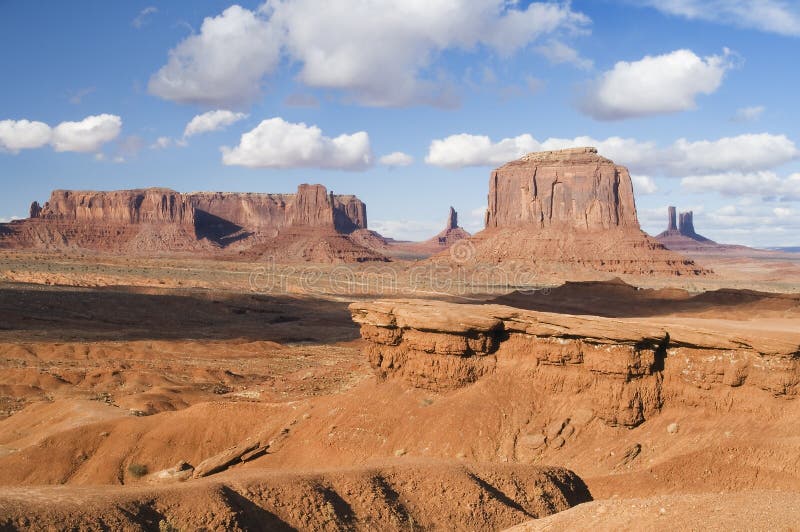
x=574, y=188
x=311, y=206
x=681, y=235
x=683, y=230
x=451, y=233
x=634, y=365
x=128, y=207
x=309, y=225
x=567, y=214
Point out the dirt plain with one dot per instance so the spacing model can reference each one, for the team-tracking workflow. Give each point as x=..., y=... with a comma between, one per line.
x=122, y=379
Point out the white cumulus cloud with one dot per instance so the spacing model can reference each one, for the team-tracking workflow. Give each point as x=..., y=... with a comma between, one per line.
x=223, y=64
x=758, y=151
x=275, y=143
x=16, y=135
x=765, y=184
x=382, y=52
x=644, y=184
x=212, y=121
x=654, y=85
x=457, y=151
x=86, y=135
x=743, y=152
x=748, y=152
x=396, y=158
x=404, y=38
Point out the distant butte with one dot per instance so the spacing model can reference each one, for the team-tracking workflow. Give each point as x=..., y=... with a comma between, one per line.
x=682, y=233
x=451, y=233
x=568, y=213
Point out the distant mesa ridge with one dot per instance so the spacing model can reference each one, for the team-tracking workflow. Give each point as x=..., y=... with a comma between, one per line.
x=316, y=224
x=311, y=206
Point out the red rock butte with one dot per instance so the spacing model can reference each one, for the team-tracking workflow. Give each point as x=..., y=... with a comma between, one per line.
x=568, y=213
x=574, y=188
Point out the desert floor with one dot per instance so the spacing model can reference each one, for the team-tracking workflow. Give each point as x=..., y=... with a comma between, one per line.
x=117, y=371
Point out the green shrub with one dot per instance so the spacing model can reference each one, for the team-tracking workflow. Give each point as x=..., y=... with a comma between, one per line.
x=137, y=470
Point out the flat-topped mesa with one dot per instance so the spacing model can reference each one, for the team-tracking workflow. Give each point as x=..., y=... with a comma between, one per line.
x=573, y=188
x=311, y=206
x=126, y=207
x=310, y=225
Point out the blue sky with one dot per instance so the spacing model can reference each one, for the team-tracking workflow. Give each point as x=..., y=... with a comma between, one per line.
x=698, y=98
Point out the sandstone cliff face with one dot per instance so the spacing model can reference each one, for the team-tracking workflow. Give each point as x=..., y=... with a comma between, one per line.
x=311, y=206
x=632, y=366
x=152, y=205
x=573, y=188
x=311, y=225
x=566, y=215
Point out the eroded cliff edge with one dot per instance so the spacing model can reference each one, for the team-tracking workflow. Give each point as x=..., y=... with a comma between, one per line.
x=629, y=367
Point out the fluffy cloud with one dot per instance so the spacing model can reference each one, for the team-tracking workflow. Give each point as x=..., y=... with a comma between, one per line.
x=16, y=135
x=87, y=135
x=457, y=151
x=212, y=121
x=750, y=152
x=396, y=158
x=654, y=85
x=275, y=143
x=404, y=39
x=644, y=184
x=774, y=16
x=223, y=64
x=767, y=185
x=381, y=53
x=743, y=152
x=749, y=114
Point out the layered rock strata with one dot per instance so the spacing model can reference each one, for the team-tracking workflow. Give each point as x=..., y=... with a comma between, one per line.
x=630, y=366
x=309, y=225
x=574, y=188
x=569, y=214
